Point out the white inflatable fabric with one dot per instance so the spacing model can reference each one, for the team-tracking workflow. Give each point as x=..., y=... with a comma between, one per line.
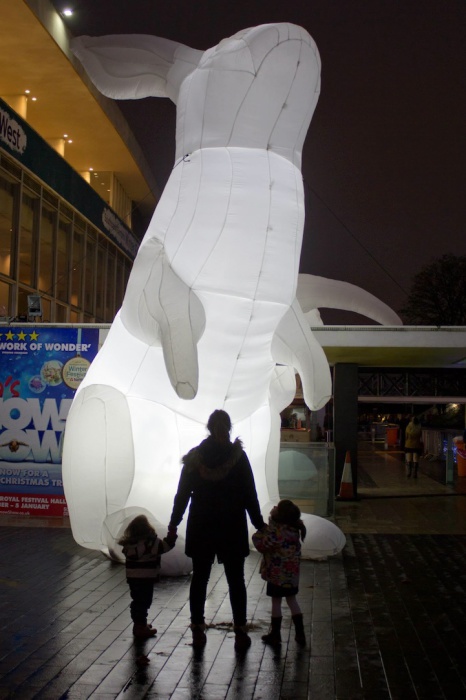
x=318, y=292
x=210, y=307
x=323, y=538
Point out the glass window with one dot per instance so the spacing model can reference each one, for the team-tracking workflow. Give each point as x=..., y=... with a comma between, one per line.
x=22, y=314
x=27, y=238
x=77, y=264
x=63, y=259
x=46, y=310
x=90, y=273
x=119, y=281
x=5, y=299
x=46, y=249
x=7, y=192
x=61, y=313
x=101, y=281
x=128, y=268
x=110, y=288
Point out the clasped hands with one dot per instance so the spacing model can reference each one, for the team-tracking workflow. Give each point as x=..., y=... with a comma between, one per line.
x=171, y=535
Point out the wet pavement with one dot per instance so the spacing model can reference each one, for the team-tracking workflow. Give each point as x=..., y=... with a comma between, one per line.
x=384, y=619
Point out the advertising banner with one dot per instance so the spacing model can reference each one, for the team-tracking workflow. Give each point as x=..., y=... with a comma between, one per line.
x=40, y=370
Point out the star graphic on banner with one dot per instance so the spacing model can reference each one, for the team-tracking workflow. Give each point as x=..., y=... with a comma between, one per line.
x=9, y=335
x=21, y=335
x=33, y=335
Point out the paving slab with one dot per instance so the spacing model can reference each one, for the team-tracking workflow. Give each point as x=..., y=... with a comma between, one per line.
x=384, y=619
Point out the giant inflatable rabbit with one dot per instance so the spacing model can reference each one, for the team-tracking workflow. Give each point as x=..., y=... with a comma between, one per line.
x=210, y=317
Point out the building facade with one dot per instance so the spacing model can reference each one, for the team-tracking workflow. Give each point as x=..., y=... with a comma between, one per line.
x=74, y=181
x=59, y=240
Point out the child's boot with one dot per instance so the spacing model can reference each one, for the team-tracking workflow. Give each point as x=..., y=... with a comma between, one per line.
x=199, y=636
x=242, y=639
x=274, y=637
x=300, y=637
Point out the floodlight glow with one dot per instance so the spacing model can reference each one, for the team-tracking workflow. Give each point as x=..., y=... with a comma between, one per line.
x=210, y=317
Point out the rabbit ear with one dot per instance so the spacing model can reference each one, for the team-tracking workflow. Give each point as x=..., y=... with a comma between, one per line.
x=133, y=66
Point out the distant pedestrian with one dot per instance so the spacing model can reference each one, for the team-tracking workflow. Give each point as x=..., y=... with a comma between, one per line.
x=280, y=544
x=413, y=446
x=404, y=420
x=143, y=549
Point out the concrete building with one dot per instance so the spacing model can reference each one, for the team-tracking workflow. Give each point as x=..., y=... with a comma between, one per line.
x=73, y=180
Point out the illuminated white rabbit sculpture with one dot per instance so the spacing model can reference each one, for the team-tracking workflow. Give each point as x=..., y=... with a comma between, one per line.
x=210, y=309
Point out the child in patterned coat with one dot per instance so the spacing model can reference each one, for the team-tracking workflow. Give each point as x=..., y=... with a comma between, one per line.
x=143, y=550
x=280, y=544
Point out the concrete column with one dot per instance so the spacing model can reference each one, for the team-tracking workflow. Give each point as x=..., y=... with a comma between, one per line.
x=345, y=419
x=19, y=103
x=58, y=145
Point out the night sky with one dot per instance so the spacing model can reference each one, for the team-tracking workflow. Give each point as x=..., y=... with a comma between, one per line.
x=384, y=160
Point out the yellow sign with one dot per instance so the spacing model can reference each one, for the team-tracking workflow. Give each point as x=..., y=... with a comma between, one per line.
x=74, y=371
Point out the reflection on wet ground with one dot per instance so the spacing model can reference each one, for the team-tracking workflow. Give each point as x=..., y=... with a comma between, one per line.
x=384, y=619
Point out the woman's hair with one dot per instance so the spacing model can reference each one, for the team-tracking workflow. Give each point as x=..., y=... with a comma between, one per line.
x=415, y=420
x=138, y=529
x=219, y=424
x=288, y=513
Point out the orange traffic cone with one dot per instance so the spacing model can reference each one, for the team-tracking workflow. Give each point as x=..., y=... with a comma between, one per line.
x=346, y=486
